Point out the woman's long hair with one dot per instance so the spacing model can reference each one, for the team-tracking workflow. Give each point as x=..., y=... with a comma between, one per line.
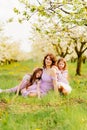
x=33, y=77
x=52, y=57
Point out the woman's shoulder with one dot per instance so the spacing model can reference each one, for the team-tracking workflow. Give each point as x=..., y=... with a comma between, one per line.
x=54, y=68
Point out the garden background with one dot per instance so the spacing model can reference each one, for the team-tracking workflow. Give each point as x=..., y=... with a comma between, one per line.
x=29, y=29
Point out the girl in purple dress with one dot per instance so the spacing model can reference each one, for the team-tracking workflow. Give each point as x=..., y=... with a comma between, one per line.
x=27, y=81
x=32, y=89
x=48, y=79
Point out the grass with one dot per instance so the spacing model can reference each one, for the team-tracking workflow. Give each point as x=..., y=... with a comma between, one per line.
x=52, y=112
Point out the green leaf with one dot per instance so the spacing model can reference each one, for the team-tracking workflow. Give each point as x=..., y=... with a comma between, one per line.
x=16, y=11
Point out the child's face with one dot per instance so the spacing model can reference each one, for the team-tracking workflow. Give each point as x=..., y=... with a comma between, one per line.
x=61, y=65
x=38, y=74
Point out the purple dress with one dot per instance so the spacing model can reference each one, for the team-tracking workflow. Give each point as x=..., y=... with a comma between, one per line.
x=46, y=84
x=23, y=84
x=31, y=89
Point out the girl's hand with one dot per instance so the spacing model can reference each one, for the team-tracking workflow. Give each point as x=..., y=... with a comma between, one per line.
x=23, y=90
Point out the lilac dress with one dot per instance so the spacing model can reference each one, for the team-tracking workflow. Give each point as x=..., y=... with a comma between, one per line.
x=23, y=84
x=31, y=89
x=46, y=84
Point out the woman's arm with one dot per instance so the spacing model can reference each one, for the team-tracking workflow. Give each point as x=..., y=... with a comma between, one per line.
x=54, y=75
x=38, y=89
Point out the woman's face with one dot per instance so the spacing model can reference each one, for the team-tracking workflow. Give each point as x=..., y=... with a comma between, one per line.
x=38, y=74
x=48, y=61
x=61, y=65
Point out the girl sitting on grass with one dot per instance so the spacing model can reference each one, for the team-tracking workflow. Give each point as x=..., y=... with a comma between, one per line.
x=62, y=75
x=33, y=88
x=27, y=81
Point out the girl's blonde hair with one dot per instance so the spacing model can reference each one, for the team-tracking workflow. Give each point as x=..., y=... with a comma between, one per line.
x=63, y=60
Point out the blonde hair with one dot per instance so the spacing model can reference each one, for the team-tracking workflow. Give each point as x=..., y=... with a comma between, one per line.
x=64, y=61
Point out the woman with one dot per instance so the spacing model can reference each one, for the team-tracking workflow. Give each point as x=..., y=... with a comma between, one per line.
x=49, y=76
x=48, y=79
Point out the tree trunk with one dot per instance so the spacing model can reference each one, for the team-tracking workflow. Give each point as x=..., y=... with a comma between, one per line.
x=79, y=62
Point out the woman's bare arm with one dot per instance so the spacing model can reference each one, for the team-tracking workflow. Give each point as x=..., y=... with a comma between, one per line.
x=54, y=75
x=38, y=89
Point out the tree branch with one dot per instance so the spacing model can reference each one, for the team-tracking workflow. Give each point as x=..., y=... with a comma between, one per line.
x=84, y=50
x=82, y=45
x=39, y=2
x=64, y=11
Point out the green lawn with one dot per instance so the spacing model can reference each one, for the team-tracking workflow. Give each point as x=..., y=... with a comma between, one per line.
x=52, y=112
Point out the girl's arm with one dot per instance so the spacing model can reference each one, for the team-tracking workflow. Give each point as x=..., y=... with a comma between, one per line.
x=23, y=83
x=17, y=93
x=21, y=86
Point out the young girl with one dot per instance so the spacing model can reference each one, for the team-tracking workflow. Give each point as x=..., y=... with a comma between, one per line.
x=27, y=81
x=62, y=73
x=33, y=88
